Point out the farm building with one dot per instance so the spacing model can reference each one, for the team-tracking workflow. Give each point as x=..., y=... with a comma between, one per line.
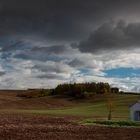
x=135, y=111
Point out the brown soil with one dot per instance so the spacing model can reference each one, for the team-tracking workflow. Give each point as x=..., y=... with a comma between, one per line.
x=9, y=100
x=17, y=127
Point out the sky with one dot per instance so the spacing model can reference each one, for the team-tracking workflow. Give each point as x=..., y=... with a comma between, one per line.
x=47, y=42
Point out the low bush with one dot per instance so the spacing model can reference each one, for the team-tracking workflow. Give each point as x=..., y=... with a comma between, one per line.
x=89, y=94
x=35, y=93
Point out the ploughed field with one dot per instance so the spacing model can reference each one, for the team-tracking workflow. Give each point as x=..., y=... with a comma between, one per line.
x=30, y=127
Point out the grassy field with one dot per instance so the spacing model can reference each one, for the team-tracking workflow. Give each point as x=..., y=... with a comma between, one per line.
x=110, y=123
x=96, y=107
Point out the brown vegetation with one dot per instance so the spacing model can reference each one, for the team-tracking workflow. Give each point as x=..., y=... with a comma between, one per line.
x=33, y=93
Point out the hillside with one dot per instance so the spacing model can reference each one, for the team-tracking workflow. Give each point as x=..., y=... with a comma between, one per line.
x=95, y=107
x=10, y=100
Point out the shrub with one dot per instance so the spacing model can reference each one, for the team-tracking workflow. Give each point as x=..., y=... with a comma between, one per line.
x=89, y=94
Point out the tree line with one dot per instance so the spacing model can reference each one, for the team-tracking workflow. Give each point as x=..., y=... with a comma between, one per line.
x=83, y=89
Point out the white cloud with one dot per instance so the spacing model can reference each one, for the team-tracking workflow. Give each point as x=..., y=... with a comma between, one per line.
x=48, y=72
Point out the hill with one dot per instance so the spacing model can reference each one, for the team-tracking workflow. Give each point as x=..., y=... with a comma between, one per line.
x=10, y=101
x=57, y=105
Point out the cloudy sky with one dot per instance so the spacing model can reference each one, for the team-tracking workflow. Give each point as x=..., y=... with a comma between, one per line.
x=47, y=42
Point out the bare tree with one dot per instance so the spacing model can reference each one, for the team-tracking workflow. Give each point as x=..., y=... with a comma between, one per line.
x=110, y=107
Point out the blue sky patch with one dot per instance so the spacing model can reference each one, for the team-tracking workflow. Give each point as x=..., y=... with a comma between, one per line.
x=122, y=72
x=84, y=71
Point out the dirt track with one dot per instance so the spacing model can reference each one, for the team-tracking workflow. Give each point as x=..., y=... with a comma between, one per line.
x=16, y=127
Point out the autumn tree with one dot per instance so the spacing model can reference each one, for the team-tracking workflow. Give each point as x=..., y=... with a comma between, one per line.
x=77, y=89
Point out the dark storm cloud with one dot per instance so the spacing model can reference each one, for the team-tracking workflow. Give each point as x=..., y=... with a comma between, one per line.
x=55, y=49
x=37, y=56
x=56, y=19
x=2, y=73
x=53, y=67
x=77, y=63
x=46, y=53
x=12, y=46
x=50, y=76
x=112, y=36
x=66, y=20
x=47, y=18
